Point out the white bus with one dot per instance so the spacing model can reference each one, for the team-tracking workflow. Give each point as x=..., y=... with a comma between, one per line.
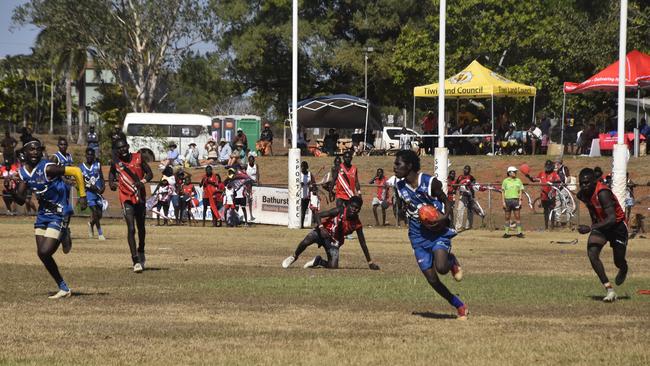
x=150, y=133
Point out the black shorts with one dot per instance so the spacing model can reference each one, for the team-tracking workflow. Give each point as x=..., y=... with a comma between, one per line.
x=615, y=235
x=206, y=202
x=512, y=204
x=240, y=201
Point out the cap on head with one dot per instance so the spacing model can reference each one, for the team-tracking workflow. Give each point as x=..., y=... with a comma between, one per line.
x=240, y=130
x=512, y=169
x=222, y=140
x=192, y=143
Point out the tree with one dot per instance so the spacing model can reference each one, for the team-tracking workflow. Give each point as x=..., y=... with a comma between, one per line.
x=135, y=39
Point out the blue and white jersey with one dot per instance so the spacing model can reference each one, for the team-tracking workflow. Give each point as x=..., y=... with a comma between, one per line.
x=52, y=194
x=65, y=160
x=414, y=198
x=92, y=176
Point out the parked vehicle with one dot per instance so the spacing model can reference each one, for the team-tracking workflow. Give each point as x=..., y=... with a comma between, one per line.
x=150, y=133
x=388, y=139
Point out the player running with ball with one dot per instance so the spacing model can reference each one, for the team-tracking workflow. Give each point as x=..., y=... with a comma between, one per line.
x=431, y=241
x=608, y=225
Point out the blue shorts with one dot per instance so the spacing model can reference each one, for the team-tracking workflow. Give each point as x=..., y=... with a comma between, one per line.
x=424, y=254
x=94, y=199
x=48, y=221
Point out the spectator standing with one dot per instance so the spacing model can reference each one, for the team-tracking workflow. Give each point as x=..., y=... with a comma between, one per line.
x=93, y=140
x=451, y=195
x=191, y=155
x=429, y=126
x=307, y=182
x=252, y=170
x=8, y=147
x=186, y=200
x=25, y=135
x=9, y=173
x=405, y=139
x=399, y=214
x=465, y=184
x=381, y=198
x=534, y=136
x=570, y=135
x=330, y=142
x=224, y=152
x=512, y=188
x=230, y=214
x=163, y=192
x=547, y=178
x=347, y=182
x=116, y=135
x=210, y=183
x=266, y=140
x=629, y=196
x=545, y=127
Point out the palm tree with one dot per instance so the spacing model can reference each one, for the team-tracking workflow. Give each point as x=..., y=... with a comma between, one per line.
x=68, y=59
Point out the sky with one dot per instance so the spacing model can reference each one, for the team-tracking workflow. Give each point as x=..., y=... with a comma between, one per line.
x=18, y=40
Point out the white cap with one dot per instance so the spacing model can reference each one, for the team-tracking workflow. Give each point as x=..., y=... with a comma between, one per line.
x=512, y=169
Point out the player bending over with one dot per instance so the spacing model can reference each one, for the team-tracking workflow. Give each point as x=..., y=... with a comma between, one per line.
x=331, y=233
x=45, y=179
x=431, y=242
x=608, y=225
x=94, y=181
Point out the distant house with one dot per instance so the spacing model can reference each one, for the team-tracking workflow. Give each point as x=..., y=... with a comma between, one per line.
x=94, y=78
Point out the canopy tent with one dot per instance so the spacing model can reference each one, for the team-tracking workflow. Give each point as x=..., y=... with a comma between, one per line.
x=637, y=77
x=339, y=111
x=477, y=81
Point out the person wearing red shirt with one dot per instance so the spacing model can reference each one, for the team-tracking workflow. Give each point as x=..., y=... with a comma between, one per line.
x=9, y=173
x=129, y=173
x=465, y=185
x=188, y=200
x=347, y=181
x=381, y=199
x=608, y=225
x=547, y=178
x=211, y=185
x=331, y=233
x=429, y=126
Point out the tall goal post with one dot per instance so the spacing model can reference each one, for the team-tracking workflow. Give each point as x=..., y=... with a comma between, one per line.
x=441, y=153
x=294, y=153
x=621, y=153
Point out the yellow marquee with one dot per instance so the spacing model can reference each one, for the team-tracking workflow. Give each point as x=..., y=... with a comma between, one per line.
x=476, y=81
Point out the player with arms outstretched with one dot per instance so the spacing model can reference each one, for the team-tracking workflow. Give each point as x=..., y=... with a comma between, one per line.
x=608, y=225
x=45, y=179
x=129, y=172
x=431, y=242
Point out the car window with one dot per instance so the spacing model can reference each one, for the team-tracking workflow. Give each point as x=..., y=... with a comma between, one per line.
x=146, y=129
x=186, y=131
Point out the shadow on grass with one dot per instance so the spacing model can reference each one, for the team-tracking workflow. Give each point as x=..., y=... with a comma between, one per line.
x=78, y=293
x=430, y=315
x=156, y=269
x=600, y=297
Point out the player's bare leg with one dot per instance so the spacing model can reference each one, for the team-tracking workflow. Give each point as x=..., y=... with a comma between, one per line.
x=46, y=247
x=594, y=247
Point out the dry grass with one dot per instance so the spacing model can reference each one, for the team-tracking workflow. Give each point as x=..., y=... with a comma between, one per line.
x=219, y=296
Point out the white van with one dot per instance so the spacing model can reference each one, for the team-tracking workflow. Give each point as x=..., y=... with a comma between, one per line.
x=388, y=138
x=149, y=133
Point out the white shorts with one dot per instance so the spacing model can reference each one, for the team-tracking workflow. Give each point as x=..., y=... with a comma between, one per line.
x=376, y=201
x=48, y=233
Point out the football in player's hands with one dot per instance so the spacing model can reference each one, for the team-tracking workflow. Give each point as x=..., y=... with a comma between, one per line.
x=584, y=229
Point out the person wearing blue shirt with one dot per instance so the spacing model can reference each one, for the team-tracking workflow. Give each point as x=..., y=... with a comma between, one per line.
x=94, y=183
x=44, y=179
x=431, y=242
x=224, y=151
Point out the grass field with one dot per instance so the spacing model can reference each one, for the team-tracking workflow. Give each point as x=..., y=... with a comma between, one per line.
x=219, y=296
